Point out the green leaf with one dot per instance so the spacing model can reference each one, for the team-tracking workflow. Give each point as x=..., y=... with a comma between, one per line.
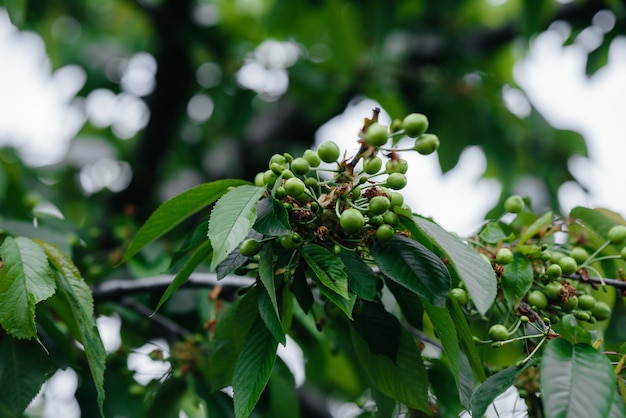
x=253, y=369
x=596, y=220
x=231, y=220
x=517, y=278
x=492, y=233
x=16, y=10
x=272, y=218
x=576, y=380
x=200, y=255
x=346, y=305
x=24, y=367
x=543, y=221
x=266, y=274
x=25, y=280
x=491, y=388
x=378, y=328
x=465, y=336
x=327, y=267
x=235, y=259
x=361, y=278
x=166, y=401
x=302, y=290
x=269, y=315
x=478, y=276
x=176, y=210
x=444, y=327
x=570, y=330
x=405, y=379
x=414, y=266
x=410, y=304
x=78, y=296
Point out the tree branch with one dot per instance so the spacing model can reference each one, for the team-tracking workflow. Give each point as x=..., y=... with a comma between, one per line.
x=115, y=290
x=595, y=281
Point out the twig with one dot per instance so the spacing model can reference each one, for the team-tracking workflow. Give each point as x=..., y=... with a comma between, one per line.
x=114, y=290
x=595, y=281
x=171, y=327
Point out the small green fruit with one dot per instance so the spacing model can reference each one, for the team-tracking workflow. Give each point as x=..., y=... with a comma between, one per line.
x=269, y=177
x=390, y=218
x=294, y=187
x=372, y=165
x=498, y=332
x=601, y=311
x=396, y=125
x=249, y=247
x=328, y=152
x=336, y=249
x=579, y=254
x=617, y=234
x=396, y=181
x=278, y=159
x=426, y=144
x=623, y=253
x=379, y=205
x=286, y=241
x=504, y=256
x=554, y=271
x=351, y=220
x=586, y=302
x=460, y=295
x=396, y=199
x=277, y=168
x=300, y=166
x=571, y=304
x=376, y=135
x=415, y=124
x=568, y=265
x=537, y=299
x=310, y=181
x=258, y=180
x=312, y=158
x=384, y=232
x=376, y=220
x=396, y=166
x=514, y=204
x=582, y=315
x=553, y=290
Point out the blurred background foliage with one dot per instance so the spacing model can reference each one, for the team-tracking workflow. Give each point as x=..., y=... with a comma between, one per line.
x=211, y=89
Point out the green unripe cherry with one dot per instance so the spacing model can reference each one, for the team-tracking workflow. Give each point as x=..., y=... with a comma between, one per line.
x=376, y=220
x=586, y=302
x=601, y=311
x=396, y=198
x=498, y=332
x=328, y=152
x=396, y=125
x=537, y=299
x=460, y=295
x=351, y=220
x=376, y=135
x=504, y=256
x=390, y=218
x=277, y=168
x=379, y=204
x=514, y=204
x=426, y=144
x=312, y=158
x=258, y=180
x=579, y=254
x=553, y=290
x=287, y=242
x=277, y=159
x=554, y=271
x=571, y=304
x=396, y=181
x=384, y=232
x=336, y=249
x=249, y=247
x=396, y=166
x=623, y=253
x=294, y=187
x=287, y=173
x=568, y=265
x=372, y=165
x=617, y=234
x=415, y=124
x=310, y=181
x=269, y=177
x=300, y=166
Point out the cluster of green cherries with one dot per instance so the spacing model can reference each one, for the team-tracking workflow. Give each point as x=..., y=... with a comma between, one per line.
x=554, y=293
x=358, y=203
